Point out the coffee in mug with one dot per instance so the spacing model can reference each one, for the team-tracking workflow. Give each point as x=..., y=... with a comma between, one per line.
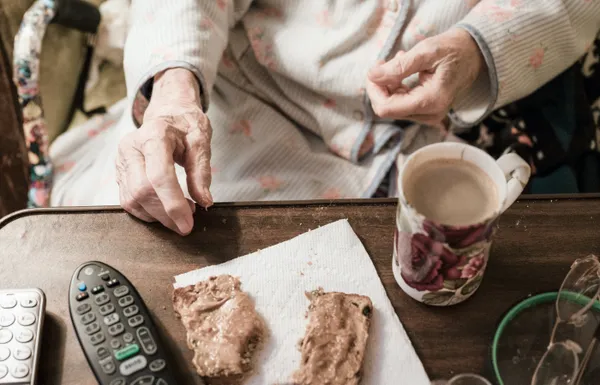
x=450, y=198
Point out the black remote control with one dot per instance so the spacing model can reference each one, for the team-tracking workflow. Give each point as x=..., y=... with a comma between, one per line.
x=115, y=329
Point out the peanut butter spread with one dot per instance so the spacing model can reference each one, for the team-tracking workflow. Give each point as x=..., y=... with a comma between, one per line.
x=334, y=345
x=223, y=327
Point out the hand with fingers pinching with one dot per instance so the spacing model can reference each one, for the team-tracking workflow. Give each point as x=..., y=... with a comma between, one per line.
x=446, y=64
x=175, y=130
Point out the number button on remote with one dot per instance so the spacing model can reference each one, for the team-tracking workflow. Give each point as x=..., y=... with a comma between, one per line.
x=125, y=301
x=88, y=318
x=22, y=353
x=97, y=338
x=4, y=353
x=118, y=381
x=8, y=302
x=121, y=291
x=5, y=336
x=161, y=382
x=3, y=371
x=26, y=319
x=24, y=336
x=116, y=329
x=101, y=299
x=6, y=319
x=136, y=321
x=28, y=302
x=157, y=365
x=20, y=371
x=107, y=309
x=92, y=328
x=144, y=380
x=83, y=308
x=131, y=310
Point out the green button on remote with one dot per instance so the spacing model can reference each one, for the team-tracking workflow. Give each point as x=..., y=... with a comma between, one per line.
x=127, y=351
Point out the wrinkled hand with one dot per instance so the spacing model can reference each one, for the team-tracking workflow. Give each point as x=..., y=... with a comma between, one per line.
x=175, y=130
x=446, y=65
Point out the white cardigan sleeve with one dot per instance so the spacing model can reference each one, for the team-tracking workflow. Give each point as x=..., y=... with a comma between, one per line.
x=525, y=43
x=178, y=33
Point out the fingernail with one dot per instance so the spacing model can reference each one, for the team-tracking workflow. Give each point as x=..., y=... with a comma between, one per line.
x=376, y=72
x=185, y=226
x=206, y=195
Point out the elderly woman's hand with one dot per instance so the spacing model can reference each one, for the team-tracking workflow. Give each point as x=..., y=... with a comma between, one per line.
x=175, y=130
x=446, y=64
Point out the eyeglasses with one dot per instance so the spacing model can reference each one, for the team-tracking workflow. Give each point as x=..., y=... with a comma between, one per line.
x=560, y=364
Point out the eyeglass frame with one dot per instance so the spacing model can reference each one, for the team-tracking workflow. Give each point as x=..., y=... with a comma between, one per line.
x=568, y=344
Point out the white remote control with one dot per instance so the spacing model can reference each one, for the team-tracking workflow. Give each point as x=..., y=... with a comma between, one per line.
x=21, y=320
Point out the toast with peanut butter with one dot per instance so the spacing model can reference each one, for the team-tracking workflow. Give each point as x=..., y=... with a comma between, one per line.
x=334, y=344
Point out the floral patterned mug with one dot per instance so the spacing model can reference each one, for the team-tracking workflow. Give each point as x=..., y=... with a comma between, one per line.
x=439, y=264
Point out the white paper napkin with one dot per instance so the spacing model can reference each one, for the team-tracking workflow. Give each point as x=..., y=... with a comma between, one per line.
x=331, y=257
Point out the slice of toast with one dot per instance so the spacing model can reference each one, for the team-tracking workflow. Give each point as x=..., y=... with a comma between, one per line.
x=333, y=347
x=223, y=327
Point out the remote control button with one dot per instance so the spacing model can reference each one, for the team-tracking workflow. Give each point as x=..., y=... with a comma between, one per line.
x=112, y=283
x=105, y=277
x=102, y=299
x=126, y=352
x=115, y=343
x=28, y=302
x=144, y=380
x=125, y=301
x=82, y=296
x=8, y=302
x=5, y=336
x=128, y=337
x=157, y=365
x=97, y=289
x=3, y=371
x=88, y=318
x=146, y=340
x=81, y=286
x=118, y=381
x=131, y=310
x=116, y=329
x=107, y=309
x=108, y=365
x=26, y=319
x=6, y=319
x=121, y=291
x=111, y=319
x=24, y=336
x=83, y=308
x=4, y=353
x=20, y=371
x=22, y=353
x=136, y=321
x=92, y=328
x=133, y=365
x=97, y=338
x=161, y=382
x=102, y=352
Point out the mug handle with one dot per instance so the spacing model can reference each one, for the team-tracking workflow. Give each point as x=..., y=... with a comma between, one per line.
x=517, y=173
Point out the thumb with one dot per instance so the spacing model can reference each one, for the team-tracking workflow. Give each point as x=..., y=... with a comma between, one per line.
x=197, y=165
x=402, y=65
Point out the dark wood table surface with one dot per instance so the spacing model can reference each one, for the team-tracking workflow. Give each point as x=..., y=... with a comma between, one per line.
x=537, y=241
